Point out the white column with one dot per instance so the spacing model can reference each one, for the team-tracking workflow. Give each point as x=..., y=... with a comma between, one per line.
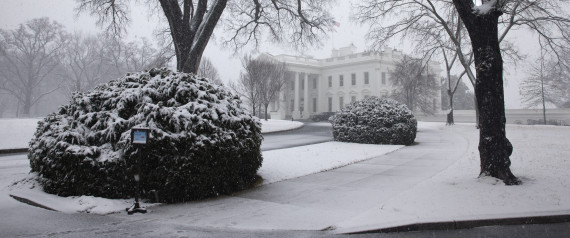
x=296, y=114
x=307, y=99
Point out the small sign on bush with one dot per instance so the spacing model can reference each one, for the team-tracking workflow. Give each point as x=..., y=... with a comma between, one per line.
x=139, y=135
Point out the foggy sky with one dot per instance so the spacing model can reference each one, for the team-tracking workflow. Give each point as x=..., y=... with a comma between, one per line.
x=15, y=12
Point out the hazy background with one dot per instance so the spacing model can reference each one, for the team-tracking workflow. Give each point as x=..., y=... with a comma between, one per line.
x=144, y=23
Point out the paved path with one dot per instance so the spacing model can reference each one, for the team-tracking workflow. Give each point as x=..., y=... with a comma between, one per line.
x=320, y=201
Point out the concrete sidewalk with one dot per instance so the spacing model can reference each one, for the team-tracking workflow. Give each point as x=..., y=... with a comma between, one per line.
x=321, y=201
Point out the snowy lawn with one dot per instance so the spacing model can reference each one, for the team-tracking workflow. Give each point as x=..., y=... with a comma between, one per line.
x=17, y=133
x=272, y=125
x=540, y=159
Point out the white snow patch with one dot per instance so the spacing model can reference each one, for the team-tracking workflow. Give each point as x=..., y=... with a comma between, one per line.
x=31, y=190
x=485, y=8
x=278, y=125
x=17, y=133
x=279, y=165
x=540, y=159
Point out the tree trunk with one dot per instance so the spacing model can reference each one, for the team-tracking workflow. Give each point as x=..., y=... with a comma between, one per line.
x=450, y=120
x=266, y=106
x=493, y=143
x=191, y=31
x=476, y=110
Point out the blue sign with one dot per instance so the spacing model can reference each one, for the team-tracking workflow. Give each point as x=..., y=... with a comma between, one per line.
x=139, y=136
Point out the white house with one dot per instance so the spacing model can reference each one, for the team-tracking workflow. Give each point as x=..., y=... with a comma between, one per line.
x=326, y=85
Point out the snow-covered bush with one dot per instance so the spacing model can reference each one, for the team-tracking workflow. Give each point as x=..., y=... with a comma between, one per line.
x=375, y=121
x=202, y=142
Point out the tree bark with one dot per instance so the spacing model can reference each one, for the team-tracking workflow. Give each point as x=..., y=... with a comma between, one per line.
x=191, y=33
x=450, y=120
x=493, y=143
x=266, y=106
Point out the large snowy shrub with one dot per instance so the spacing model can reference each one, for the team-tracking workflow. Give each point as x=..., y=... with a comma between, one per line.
x=375, y=121
x=202, y=142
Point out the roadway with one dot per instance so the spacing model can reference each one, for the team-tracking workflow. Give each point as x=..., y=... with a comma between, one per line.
x=310, y=133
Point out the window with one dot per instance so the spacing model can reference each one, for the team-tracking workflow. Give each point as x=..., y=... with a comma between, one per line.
x=353, y=99
x=330, y=104
x=366, y=78
x=353, y=79
x=314, y=104
x=340, y=102
x=341, y=80
x=330, y=81
x=314, y=83
x=383, y=78
x=292, y=105
x=292, y=85
x=302, y=82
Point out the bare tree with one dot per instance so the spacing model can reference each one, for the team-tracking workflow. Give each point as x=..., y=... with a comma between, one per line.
x=548, y=83
x=84, y=63
x=5, y=103
x=208, y=70
x=487, y=25
x=28, y=57
x=192, y=23
x=247, y=86
x=272, y=80
x=413, y=85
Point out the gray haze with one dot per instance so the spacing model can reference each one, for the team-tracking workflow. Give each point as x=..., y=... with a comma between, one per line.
x=143, y=24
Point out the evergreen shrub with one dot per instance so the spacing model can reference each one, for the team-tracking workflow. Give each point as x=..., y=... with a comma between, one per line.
x=202, y=142
x=375, y=121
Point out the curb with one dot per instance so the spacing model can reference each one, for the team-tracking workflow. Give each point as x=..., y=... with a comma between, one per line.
x=458, y=225
x=292, y=129
x=13, y=151
x=30, y=202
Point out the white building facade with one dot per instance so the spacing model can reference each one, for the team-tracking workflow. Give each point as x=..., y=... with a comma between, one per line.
x=327, y=85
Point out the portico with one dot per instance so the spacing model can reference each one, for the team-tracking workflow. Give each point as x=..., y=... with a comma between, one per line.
x=327, y=85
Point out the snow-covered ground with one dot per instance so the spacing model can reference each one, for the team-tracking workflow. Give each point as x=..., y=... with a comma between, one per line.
x=272, y=125
x=16, y=133
x=540, y=159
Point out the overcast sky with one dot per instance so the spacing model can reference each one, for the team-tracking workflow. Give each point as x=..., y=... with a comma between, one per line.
x=15, y=12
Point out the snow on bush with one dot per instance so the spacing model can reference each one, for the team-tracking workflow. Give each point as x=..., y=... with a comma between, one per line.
x=375, y=121
x=202, y=142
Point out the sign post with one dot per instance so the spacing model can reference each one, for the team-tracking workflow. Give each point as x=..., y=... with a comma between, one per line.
x=139, y=138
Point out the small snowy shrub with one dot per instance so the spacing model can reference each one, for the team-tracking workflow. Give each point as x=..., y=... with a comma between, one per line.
x=375, y=121
x=202, y=142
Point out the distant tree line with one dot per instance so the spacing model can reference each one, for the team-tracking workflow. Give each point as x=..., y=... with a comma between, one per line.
x=42, y=63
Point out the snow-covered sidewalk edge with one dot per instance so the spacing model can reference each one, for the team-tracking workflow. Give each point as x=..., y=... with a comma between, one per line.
x=272, y=126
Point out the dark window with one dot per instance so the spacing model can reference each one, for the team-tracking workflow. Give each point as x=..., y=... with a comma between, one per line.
x=341, y=80
x=353, y=79
x=314, y=83
x=330, y=81
x=383, y=78
x=366, y=78
x=330, y=104
x=314, y=104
